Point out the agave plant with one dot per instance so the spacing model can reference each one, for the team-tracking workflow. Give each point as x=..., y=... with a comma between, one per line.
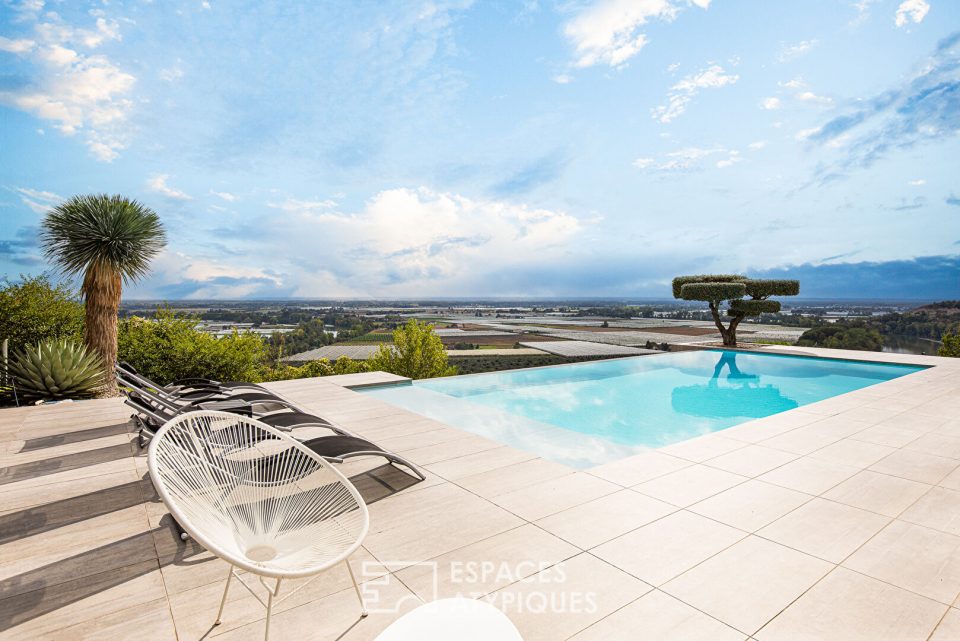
x=57, y=369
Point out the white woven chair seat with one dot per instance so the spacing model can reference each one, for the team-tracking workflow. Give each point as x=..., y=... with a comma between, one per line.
x=254, y=496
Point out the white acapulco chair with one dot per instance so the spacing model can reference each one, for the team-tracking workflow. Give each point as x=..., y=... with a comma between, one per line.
x=258, y=499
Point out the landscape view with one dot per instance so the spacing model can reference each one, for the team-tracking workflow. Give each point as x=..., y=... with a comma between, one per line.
x=538, y=319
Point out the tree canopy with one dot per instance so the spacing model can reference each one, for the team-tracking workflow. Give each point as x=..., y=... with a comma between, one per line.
x=714, y=289
x=416, y=353
x=34, y=309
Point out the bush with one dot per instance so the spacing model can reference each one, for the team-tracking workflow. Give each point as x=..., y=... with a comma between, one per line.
x=951, y=345
x=417, y=353
x=321, y=367
x=34, y=310
x=169, y=347
x=844, y=336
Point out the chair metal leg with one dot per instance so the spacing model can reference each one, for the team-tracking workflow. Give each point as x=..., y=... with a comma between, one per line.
x=363, y=606
x=270, y=595
x=223, y=601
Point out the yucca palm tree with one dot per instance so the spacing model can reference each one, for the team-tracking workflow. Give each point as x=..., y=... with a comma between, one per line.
x=110, y=240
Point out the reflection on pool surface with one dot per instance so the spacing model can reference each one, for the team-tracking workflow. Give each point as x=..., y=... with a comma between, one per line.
x=590, y=413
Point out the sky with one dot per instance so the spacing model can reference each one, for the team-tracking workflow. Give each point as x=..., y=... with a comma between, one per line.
x=458, y=148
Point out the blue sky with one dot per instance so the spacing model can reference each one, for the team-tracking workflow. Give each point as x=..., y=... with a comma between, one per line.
x=494, y=148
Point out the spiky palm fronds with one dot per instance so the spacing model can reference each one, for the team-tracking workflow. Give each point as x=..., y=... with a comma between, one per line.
x=110, y=232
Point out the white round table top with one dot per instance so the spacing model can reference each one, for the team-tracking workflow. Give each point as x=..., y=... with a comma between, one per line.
x=446, y=619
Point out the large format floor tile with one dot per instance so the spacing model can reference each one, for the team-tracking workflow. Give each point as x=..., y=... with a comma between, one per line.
x=488, y=565
x=809, y=475
x=637, y=469
x=751, y=505
x=912, y=557
x=657, y=616
x=666, y=548
x=549, y=497
x=825, y=529
x=600, y=520
x=689, y=485
x=938, y=509
x=880, y=493
x=749, y=583
x=847, y=606
x=562, y=600
x=916, y=466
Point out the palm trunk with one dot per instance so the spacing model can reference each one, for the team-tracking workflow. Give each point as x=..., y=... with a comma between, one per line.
x=102, y=290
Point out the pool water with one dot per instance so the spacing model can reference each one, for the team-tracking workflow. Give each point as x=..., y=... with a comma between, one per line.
x=586, y=414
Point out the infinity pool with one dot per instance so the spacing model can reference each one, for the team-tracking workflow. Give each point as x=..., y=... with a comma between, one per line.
x=586, y=414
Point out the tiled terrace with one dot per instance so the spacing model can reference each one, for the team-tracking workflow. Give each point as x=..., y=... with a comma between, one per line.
x=838, y=520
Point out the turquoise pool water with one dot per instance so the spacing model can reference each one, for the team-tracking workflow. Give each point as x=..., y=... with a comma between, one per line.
x=589, y=413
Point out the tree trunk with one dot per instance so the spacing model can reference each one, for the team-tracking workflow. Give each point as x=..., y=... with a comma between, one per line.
x=102, y=290
x=729, y=335
x=733, y=330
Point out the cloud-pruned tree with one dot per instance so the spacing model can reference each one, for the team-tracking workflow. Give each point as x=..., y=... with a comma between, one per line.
x=714, y=289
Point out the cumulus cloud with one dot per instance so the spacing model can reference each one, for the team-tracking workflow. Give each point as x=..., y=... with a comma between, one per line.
x=17, y=45
x=78, y=91
x=683, y=92
x=810, y=97
x=911, y=11
x=919, y=182
x=770, y=103
x=609, y=31
x=158, y=184
x=404, y=242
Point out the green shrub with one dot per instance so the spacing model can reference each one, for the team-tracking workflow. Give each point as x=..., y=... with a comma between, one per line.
x=951, y=345
x=417, y=353
x=56, y=369
x=34, y=310
x=169, y=347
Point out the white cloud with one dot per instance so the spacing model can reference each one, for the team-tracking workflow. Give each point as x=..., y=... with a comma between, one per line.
x=770, y=103
x=563, y=78
x=803, y=134
x=407, y=241
x=171, y=74
x=918, y=182
x=38, y=201
x=755, y=146
x=19, y=45
x=791, y=52
x=293, y=205
x=158, y=184
x=809, y=96
x=915, y=10
x=608, y=31
x=689, y=158
x=78, y=91
x=225, y=195
x=680, y=95
x=732, y=158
